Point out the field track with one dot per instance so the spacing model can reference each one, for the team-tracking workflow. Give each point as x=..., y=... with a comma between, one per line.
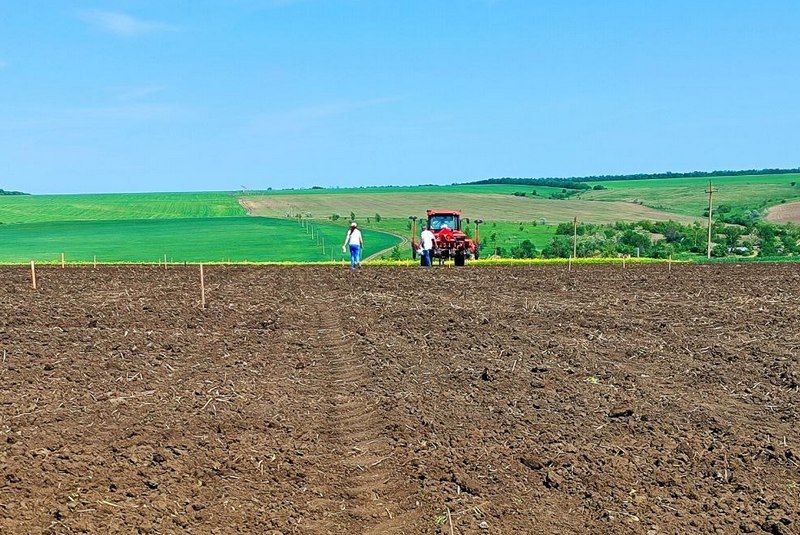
x=309, y=400
x=784, y=213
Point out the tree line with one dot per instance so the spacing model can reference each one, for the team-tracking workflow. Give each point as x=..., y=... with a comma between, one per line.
x=577, y=182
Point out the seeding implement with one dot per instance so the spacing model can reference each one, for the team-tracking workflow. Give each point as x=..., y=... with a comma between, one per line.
x=451, y=239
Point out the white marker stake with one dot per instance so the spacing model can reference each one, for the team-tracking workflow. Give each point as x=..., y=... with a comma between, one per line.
x=202, y=288
x=63, y=262
x=33, y=274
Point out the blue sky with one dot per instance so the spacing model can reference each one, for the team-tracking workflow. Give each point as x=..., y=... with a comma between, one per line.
x=155, y=95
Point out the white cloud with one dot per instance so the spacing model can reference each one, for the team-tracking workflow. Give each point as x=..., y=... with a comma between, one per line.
x=123, y=24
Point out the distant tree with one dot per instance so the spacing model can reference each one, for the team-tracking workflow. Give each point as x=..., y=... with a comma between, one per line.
x=526, y=249
x=352, y=216
x=559, y=247
x=769, y=242
x=719, y=250
x=722, y=209
x=377, y=218
x=335, y=217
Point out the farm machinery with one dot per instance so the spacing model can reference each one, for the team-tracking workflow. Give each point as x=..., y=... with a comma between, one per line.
x=451, y=240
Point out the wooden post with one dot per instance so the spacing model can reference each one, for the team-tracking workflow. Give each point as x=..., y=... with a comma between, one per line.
x=33, y=275
x=202, y=288
x=165, y=262
x=94, y=261
x=623, y=260
x=63, y=262
x=575, y=237
x=710, y=192
x=570, y=264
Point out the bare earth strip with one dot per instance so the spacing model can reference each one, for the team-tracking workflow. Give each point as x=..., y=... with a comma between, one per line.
x=487, y=206
x=784, y=213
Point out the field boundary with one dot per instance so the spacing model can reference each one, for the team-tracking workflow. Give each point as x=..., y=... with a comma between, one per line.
x=376, y=262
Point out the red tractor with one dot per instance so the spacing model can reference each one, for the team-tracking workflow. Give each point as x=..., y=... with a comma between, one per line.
x=451, y=241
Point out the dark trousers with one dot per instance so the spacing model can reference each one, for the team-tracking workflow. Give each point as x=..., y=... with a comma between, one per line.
x=426, y=257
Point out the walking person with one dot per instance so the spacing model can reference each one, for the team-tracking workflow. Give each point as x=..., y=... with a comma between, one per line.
x=427, y=241
x=355, y=242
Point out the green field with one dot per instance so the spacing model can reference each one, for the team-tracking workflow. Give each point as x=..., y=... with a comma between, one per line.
x=214, y=226
x=687, y=195
x=182, y=240
x=40, y=208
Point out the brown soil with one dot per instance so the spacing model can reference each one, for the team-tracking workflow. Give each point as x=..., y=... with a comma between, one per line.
x=784, y=213
x=307, y=400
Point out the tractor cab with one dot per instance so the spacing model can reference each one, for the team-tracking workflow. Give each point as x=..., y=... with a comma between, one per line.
x=445, y=224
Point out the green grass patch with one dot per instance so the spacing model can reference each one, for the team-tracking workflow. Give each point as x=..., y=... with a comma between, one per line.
x=41, y=208
x=234, y=239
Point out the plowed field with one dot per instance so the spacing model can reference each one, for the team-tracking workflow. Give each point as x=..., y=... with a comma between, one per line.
x=483, y=400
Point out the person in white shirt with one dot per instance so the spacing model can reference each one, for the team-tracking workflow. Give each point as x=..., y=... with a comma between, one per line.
x=427, y=241
x=356, y=243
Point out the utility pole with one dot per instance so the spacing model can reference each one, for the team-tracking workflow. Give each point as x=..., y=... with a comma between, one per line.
x=575, y=237
x=710, y=192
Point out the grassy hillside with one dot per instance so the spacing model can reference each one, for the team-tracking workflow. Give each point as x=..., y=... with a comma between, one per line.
x=212, y=226
x=687, y=195
x=40, y=208
x=486, y=202
x=182, y=240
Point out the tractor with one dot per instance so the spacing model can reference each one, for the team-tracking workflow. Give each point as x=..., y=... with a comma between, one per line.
x=451, y=241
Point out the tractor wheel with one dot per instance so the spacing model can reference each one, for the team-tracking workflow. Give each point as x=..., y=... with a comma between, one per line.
x=460, y=259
